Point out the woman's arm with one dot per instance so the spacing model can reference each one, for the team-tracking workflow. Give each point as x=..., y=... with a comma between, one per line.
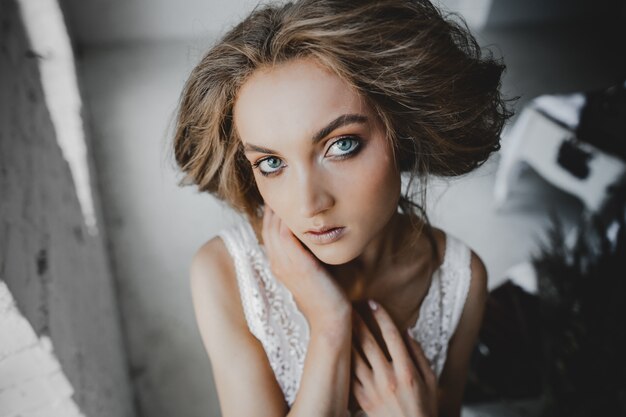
x=245, y=382
x=325, y=384
x=454, y=375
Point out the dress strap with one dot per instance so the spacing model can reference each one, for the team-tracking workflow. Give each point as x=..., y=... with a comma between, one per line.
x=270, y=309
x=442, y=307
x=457, y=275
x=237, y=241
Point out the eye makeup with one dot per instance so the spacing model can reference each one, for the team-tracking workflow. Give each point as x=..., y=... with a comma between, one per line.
x=352, y=141
x=355, y=143
x=257, y=165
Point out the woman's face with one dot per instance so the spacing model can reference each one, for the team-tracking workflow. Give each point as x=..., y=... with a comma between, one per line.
x=320, y=157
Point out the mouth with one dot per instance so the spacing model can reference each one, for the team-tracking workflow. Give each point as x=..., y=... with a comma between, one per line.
x=325, y=235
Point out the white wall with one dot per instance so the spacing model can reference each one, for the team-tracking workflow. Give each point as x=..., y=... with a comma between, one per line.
x=153, y=225
x=57, y=272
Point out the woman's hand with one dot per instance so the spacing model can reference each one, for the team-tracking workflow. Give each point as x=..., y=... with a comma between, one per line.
x=406, y=386
x=317, y=294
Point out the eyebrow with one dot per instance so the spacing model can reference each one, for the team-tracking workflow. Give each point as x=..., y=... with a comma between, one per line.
x=340, y=121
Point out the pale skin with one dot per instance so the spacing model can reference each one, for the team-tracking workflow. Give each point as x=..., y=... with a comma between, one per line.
x=345, y=177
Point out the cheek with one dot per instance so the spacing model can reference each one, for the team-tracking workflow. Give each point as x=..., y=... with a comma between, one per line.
x=375, y=182
x=275, y=195
x=268, y=193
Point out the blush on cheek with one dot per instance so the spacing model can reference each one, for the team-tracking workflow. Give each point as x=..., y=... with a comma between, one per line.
x=281, y=205
x=375, y=181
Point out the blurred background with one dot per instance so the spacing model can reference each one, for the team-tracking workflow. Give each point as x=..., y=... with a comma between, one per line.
x=96, y=236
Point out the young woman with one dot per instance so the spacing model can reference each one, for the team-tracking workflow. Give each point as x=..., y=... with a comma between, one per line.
x=334, y=295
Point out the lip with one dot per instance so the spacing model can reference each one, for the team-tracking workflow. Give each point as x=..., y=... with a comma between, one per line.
x=326, y=235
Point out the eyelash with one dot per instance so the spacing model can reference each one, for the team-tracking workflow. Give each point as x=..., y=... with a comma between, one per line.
x=346, y=155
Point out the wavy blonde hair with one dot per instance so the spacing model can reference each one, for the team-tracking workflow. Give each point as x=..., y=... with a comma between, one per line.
x=422, y=73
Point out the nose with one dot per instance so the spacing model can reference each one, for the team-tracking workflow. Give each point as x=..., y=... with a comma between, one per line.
x=314, y=195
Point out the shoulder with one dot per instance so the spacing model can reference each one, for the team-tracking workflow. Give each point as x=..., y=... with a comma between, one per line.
x=475, y=286
x=464, y=338
x=210, y=260
x=475, y=297
x=441, y=239
x=478, y=284
x=225, y=334
x=211, y=269
x=477, y=270
x=213, y=276
x=214, y=290
x=467, y=276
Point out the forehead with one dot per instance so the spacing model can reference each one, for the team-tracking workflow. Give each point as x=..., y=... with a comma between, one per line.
x=292, y=100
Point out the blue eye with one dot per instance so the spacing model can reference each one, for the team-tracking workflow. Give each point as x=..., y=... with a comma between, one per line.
x=268, y=165
x=344, y=146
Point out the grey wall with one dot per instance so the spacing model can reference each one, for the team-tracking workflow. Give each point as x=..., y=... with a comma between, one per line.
x=97, y=22
x=154, y=226
x=58, y=274
x=101, y=22
x=508, y=13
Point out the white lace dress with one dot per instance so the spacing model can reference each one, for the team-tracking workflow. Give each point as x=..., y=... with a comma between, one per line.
x=274, y=318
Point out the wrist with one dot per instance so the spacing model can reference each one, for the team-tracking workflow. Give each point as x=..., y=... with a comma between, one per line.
x=333, y=325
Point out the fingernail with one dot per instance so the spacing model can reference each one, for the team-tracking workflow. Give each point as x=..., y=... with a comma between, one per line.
x=372, y=304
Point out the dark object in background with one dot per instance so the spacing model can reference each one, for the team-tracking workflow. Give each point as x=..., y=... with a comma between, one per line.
x=574, y=159
x=603, y=120
x=567, y=344
x=582, y=287
x=602, y=123
x=507, y=362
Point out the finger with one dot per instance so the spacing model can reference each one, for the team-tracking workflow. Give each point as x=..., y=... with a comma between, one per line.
x=289, y=241
x=272, y=223
x=400, y=357
x=293, y=248
x=283, y=230
x=268, y=219
x=362, y=371
x=361, y=395
x=273, y=229
x=372, y=352
x=270, y=237
x=266, y=222
x=422, y=362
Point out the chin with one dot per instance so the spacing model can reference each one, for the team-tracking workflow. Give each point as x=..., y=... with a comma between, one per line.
x=333, y=256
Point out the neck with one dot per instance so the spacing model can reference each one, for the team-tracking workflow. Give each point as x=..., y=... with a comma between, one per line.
x=360, y=276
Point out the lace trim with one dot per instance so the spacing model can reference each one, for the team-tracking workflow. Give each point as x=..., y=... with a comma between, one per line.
x=274, y=318
x=251, y=298
x=440, y=309
x=270, y=309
